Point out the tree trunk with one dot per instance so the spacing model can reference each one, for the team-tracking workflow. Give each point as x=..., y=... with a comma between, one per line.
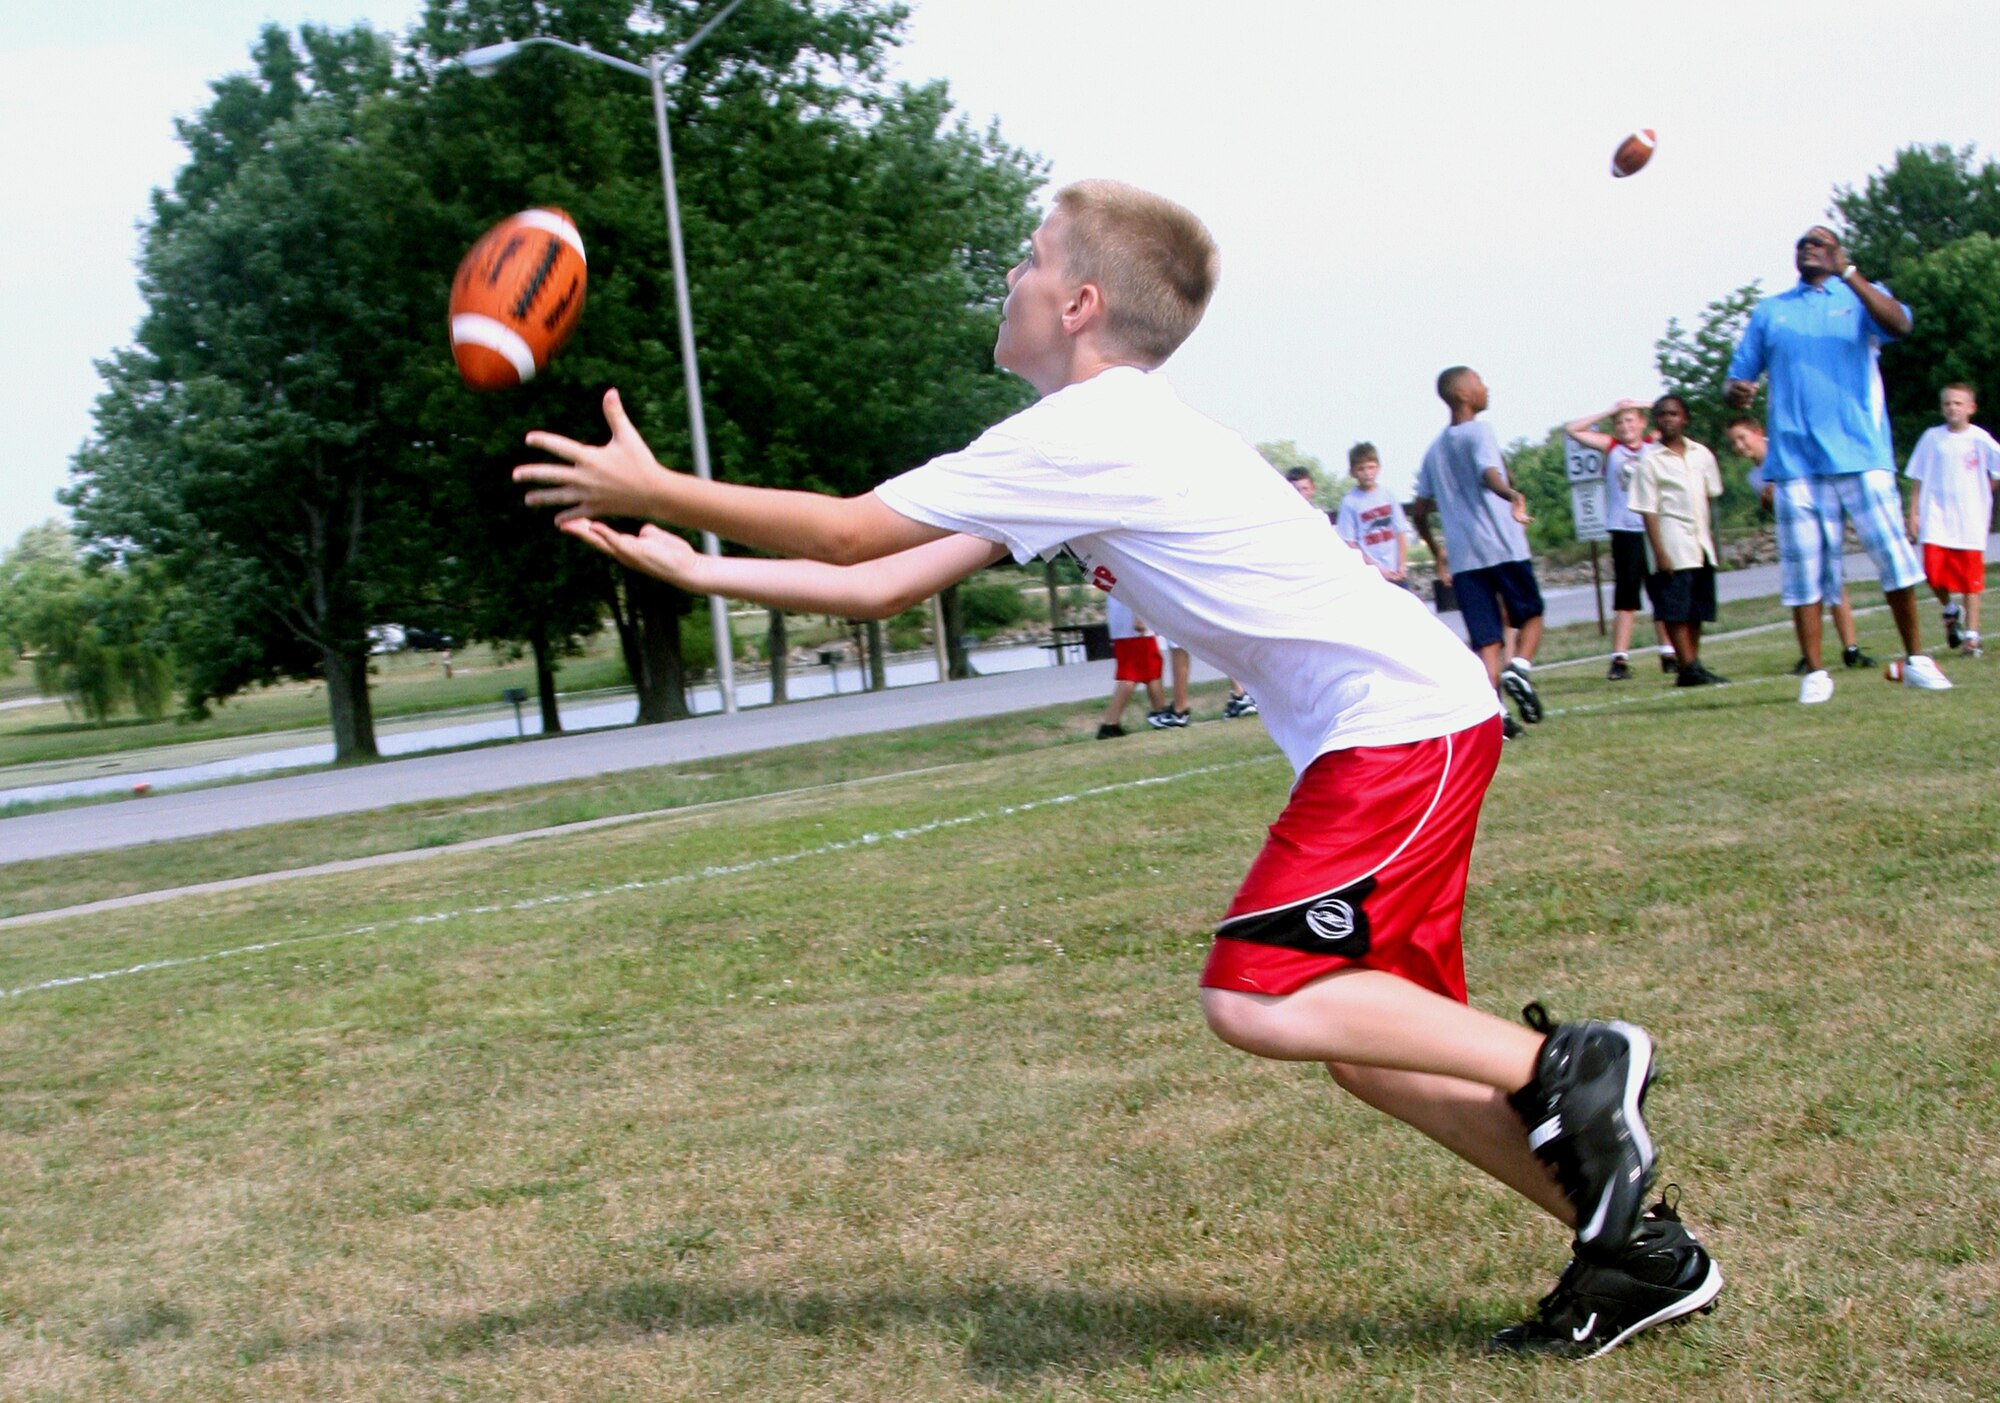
x=878, y=661
x=545, y=678
x=780, y=650
x=648, y=613
x=1055, y=596
x=954, y=636
x=348, y=705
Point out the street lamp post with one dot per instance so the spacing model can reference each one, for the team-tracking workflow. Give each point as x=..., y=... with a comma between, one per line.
x=485, y=60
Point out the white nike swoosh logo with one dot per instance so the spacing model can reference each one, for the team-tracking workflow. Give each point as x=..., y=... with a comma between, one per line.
x=1582, y=1332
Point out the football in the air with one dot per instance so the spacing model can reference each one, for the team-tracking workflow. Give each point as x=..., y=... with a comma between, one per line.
x=516, y=298
x=1633, y=152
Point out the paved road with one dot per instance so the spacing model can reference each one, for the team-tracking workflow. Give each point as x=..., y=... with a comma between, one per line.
x=455, y=774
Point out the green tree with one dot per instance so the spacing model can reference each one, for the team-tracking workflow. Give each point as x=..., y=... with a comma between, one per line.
x=1694, y=364
x=1954, y=298
x=847, y=244
x=1328, y=488
x=253, y=441
x=92, y=629
x=1926, y=198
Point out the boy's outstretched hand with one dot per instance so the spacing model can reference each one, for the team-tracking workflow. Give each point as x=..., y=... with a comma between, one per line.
x=654, y=552
x=622, y=478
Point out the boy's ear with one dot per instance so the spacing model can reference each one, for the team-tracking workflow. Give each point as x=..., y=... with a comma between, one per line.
x=1086, y=308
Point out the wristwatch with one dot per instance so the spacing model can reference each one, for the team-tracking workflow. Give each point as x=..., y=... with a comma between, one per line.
x=1847, y=272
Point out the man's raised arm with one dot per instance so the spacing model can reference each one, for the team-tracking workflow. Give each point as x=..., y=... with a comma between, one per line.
x=621, y=478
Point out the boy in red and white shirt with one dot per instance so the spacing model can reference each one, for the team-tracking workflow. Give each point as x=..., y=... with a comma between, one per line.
x=1342, y=946
x=1954, y=465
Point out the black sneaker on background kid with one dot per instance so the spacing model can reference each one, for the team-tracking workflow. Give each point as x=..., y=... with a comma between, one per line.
x=1519, y=687
x=1603, y=1300
x=1583, y=1115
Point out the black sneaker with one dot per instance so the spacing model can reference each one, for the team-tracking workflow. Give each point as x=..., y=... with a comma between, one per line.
x=1521, y=690
x=1952, y=637
x=1663, y=1274
x=1669, y=663
x=1853, y=656
x=1619, y=671
x=1802, y=668
x=1583, y=1115
x=1708, y=678
x=1695, y=675
x=1110, y=731
x=1239, y=704
x=1510, y=729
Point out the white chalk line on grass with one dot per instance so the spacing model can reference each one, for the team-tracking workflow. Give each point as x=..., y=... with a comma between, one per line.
x=864, y=840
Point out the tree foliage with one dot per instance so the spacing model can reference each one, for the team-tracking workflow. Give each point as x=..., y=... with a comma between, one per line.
x=287, y=441
x=251, y=443
x=1926, y=198
x=93, y=630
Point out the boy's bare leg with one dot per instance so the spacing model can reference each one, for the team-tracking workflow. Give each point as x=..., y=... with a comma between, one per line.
x=1121, y=693
x=1687, y=643
x=1474, y=1122
x=1181, y=665
x=1621, y=630
x=1155, y=696
x=1372, y=1019
x=1490, y=655
x=1806, y=623
x=1972, y=610
x=1527, y=638
x=1843, y=620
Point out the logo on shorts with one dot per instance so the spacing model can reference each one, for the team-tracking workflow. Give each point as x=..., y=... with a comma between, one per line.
x=1331, y=919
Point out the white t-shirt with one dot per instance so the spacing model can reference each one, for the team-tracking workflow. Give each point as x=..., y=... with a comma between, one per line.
x=1957, y=472
x=1618, y=464
x=1479, y=526
x=1372, y=522
x=1121, y=620
x=1184, y=521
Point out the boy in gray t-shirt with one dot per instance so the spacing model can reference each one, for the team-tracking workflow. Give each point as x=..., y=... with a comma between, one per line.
x=1464, y=480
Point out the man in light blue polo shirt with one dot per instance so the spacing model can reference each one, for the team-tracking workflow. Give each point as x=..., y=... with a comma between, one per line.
x=1830, y=455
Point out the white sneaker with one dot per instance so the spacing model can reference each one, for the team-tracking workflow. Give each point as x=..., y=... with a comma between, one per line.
x=1920, y=672
x=1817, y=687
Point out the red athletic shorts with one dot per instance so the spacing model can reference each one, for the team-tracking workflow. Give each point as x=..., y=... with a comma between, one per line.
x=1138, y=658
x=1959, y=571
x=1365, y=867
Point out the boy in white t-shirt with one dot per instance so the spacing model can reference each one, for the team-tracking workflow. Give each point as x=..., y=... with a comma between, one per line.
x=1370, y=519
x=1954, y=465
x=1343, y=945
x=1621, y=449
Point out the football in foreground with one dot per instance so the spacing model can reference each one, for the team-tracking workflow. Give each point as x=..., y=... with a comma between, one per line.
x=516, y=298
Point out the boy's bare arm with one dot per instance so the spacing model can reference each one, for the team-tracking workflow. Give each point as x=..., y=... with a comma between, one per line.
x=1496, y=483
x=1586, y=432
x=621, y=478
x=877, y=589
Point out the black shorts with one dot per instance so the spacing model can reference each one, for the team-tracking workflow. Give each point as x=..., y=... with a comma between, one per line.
x=1628, y=570
x=1481, y=593
x=1684, y=596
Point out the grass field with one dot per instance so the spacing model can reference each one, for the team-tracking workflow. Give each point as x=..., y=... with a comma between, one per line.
x=897, y=1090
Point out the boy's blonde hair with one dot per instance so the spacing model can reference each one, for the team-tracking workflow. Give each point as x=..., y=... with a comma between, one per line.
x=1154, y=261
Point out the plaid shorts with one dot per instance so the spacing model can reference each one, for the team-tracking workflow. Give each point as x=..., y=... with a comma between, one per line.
x=1812, y=534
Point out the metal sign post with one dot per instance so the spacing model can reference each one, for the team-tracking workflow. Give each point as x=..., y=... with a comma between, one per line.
x=1585, y=469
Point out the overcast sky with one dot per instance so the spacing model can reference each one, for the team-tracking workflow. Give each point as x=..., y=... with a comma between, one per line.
x=1395, y=188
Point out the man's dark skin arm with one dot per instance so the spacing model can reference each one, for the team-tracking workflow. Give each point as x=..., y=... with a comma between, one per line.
x=1819, y=256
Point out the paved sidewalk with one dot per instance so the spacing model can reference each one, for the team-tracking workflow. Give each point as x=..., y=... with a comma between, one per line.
x=446, y=775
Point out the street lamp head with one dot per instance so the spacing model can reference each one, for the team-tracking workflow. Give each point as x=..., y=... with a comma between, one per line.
x=484, y=62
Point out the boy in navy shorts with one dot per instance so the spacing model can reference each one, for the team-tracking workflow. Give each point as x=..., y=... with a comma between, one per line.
x=1343, y=945
x=1464, y=480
